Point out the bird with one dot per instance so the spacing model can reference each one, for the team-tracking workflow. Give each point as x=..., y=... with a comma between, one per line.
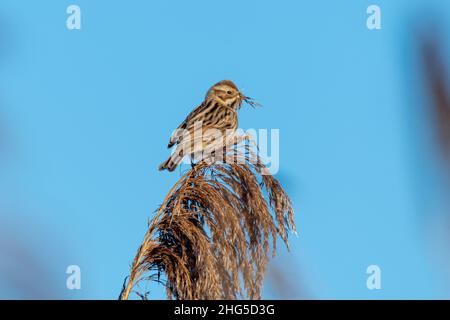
x=217, y=111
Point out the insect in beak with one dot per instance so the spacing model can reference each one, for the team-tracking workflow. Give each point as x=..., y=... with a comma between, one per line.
x=250, y=101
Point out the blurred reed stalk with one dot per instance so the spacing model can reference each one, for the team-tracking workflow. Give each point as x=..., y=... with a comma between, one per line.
x=212, y=236
x=437, y=81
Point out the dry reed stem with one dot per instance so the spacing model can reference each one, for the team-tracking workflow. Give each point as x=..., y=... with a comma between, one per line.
x=437, y=81
x=211, y=237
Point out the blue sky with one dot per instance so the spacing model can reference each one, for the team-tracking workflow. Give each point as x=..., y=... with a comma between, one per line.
x=88, y=114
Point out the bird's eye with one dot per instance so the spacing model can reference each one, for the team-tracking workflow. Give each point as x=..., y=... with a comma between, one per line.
x=229, y=92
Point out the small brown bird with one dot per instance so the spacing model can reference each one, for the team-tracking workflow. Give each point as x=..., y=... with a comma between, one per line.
x=218, y=111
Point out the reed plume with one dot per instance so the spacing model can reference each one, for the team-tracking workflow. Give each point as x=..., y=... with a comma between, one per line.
x=212, y=236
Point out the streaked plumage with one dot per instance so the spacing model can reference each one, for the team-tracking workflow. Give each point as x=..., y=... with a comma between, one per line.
x=217, y=111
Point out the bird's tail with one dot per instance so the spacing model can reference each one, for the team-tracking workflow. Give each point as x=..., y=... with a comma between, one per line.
x=170, y=164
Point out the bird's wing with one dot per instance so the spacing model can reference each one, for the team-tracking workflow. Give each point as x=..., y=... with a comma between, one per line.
x=190, y=119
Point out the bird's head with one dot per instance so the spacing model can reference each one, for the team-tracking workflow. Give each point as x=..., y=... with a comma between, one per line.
x=226, y=93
